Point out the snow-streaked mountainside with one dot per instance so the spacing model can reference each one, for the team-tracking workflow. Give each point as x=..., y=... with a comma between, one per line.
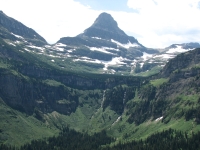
x=101, y=48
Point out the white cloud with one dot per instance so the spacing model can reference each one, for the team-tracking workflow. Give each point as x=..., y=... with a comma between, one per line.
x=141, y=4
x=52, y=19
x=166, y=21
x=157, y=23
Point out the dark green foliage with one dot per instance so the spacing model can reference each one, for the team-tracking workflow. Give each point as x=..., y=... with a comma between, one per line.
x=145, y=67
x=193, y=113
x=91, y=65
x=117, y=97
x=147, y=92
x=147, y=107
x=181, y=61
x=197, y=116
x=137, y=68
x=114, y=99
x=190, y=114
x=166, y=140
x=70, y=139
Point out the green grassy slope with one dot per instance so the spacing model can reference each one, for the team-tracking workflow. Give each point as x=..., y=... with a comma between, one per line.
x=17, y=128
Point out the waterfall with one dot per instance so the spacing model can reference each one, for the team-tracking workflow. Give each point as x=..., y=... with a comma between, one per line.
x=103, y=98
x=117, y=120
x=124, y=97
x=101, y=104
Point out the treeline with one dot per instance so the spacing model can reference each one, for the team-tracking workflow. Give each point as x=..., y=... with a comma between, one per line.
x=166, y=140
x=70, y=139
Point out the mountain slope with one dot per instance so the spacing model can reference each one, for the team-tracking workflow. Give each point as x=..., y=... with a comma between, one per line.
x=16, y=28
x=102, y=48
x=182, y=61
x=106, y=44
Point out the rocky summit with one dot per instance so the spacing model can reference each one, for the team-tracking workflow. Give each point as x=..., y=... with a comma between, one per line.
x=106, y=27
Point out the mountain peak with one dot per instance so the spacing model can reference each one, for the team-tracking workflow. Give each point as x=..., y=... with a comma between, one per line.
x=105, y=21
x=105, y=27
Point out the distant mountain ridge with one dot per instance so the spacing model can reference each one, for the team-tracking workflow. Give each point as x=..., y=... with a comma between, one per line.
x=190, y=45
x=101, y=48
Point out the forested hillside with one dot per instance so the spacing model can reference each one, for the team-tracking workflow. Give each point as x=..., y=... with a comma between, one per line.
x=70, y=139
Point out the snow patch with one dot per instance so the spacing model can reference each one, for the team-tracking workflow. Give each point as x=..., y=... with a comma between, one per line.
x=134, y=62
x=146, y=56
x=53, y=60
x=51, y=55
x=87, y=59
x=114, y=61
x=178, y=49
x=61, y=45
x=12, y=44
x=21, y=51
x=71, y=50
x=97, y=38
x=117, y=61
x=128, y=45
x=110, y=48
x=166, y=56
x=103, y=50
x=47, y=46
x=158, y=119
x=35, y=47
x=113, y=71
x=59, y=49
x=17, y=42
x=18, y=36
x=141, y=65
x=27, y=50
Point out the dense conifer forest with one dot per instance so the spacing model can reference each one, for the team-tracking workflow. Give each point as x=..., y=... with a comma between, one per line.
x=70, y=139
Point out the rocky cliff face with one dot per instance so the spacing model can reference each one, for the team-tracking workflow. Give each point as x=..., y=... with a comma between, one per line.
x=27, y=94
x=182, y=61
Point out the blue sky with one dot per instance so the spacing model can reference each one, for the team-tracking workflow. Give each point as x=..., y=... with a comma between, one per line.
x=107, y=5
x=154, y=23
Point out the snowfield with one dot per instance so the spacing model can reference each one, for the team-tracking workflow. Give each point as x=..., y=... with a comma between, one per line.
x=128, y=45
x=103, y=49
x=36, y=47
x=179, y=49
x=60, y=45
x=146, y=56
